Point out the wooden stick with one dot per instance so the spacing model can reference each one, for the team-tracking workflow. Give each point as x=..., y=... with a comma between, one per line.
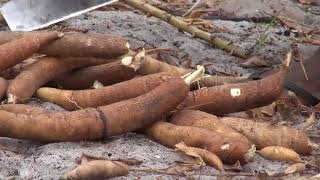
x=184, y=26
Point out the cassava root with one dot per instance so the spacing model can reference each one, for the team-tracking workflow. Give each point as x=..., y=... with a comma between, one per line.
x=83, y=78
x=264, y=134
x=145, y=64
x=15, y=51
x=77, y=44
x=238, y=97
x=75, y=99
x=96, y=123
x=42, y=71
x=229, y=150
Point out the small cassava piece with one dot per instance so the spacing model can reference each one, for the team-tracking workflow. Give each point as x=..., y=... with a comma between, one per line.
x=208, y=121
x=264, y=134
x=278, y=153
x=76, y=44
x=29, y=80
x=15, y=51
x=231, y=98
x=205, y=155
x=75, y=99
x=227, y=149
x=96, y=123
x=83, y=78
x=97, y=170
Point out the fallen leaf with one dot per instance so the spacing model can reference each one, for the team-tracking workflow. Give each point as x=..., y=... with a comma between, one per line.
x=279, y=153
x=87, y=158
x=309, y=122
x=308, y=2
x=295, y=168
x=254, y=62
x=180, y=169
x=201, y=155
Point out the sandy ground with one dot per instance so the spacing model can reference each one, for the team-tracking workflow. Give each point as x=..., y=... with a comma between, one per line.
x=34, y=160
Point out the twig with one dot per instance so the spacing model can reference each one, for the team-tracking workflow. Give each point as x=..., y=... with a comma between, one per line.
x=181, y=25
x=192, y=8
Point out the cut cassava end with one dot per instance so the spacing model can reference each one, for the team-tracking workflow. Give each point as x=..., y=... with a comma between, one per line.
x=97, y=170
x=96, y=123
x=78, y=44
x=83, y=78
x=42, y=71
x=14, y=52
x=145, y=65
x=210, y=122
x=238, y=97
x=227, y=149
x=264, y=134
x=3, y=87
x=76, y=99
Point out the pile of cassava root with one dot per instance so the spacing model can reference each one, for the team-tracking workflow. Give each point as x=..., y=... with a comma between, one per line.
x=136, y=93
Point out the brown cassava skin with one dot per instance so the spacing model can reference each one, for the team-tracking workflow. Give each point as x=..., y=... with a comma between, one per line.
x=78, y=44
x=168, y=134
x=97, y=170
x=264, y=134
x=16, y=51
x=42, y=71
x=107, y=74
x=73, y=100
x=151, y=66
x=220, y=99
x=22, y=109
x=3, y=87
x=96, y=123
x=210, y=122
x=13, y=71
x=7, y=36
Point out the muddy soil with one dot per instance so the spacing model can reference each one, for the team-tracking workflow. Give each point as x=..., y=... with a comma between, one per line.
x=33, y=160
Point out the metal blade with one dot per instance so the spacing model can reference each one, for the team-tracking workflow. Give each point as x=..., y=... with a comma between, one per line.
x=28, y=15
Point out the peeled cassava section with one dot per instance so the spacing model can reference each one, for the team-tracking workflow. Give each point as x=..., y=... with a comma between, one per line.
x=42, y=71
x=78, y=44
x=107, y=74
x=210, y=122
x=14, y=52
x=227, y=149
x=96, y=123
x=73, y=100
x=265, y=134
x=238, y=97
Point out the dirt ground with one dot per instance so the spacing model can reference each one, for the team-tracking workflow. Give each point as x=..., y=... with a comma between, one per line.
x=33, y=160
